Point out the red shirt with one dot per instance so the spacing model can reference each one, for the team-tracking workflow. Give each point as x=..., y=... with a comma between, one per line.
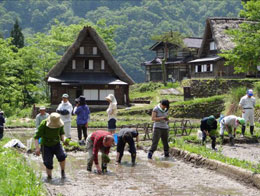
x=97, y=138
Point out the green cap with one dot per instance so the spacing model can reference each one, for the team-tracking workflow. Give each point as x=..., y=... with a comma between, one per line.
x=241, y=120
x=211, y=120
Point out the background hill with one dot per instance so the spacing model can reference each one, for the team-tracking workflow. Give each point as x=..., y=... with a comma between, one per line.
x=136, y=21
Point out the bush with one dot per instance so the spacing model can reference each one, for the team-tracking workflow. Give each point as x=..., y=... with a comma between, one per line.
x=233, y=99
x=149, y=86
x=257, y=88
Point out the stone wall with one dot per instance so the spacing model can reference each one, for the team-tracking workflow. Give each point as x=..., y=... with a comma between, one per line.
x=198, y=108
x=211, y=87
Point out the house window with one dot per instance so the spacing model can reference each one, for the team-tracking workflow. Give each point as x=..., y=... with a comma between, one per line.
x=212, y=46
x=198, y=68
x=91, y=94
x=94, y=50
x=102, y=65
x=104, y=93
x=81, y=50
x=89, y=64
x=73, y=64
x=160, y=53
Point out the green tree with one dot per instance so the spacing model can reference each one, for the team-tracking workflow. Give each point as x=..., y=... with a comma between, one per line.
x=17, y=35
x=245, y=56
x=172, y=37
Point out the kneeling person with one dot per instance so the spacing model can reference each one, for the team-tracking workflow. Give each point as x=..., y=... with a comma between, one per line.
x=126, y=135
x=99, y=140
x=51, y=131
x=208, y=127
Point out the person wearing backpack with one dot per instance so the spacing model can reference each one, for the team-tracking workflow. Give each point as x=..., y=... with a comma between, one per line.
x=208, y=126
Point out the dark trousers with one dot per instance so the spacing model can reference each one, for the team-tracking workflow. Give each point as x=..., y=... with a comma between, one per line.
x=213, y=139
x=121, y=146
x=157, y=134
x=1, y=132
x=82, y=128
x=48, y=153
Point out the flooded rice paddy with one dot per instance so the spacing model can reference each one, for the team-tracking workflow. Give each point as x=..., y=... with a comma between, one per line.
x=149, y=177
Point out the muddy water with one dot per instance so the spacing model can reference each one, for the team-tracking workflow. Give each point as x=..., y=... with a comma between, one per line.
x=149, y=177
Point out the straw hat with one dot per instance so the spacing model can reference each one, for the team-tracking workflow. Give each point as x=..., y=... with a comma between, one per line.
x=112, y=98
x=54, y=121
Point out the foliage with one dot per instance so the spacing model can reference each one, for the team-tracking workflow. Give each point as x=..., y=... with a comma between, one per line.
x=17, y=35
x=245, y=55
x=148, y=86
x=16, y=175
x=233, y=98
x=23, y=70
x=257, y=88
x=137, y=21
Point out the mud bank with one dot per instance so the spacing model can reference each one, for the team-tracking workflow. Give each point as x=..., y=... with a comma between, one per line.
x=228, y=170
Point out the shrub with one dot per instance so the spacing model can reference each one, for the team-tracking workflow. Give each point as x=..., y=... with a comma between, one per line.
x=233, y=99
x=257, y=88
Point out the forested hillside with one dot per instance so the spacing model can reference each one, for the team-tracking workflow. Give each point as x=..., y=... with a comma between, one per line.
x=136, y=20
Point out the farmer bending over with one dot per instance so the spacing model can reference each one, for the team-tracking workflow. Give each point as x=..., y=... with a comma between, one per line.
x=208, y=127
x=99, y=140
x=230, y=123
x=51, y=131
x=126, y=135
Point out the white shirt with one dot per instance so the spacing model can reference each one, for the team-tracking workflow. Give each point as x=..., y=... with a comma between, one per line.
x=231, y=121
x=111, y=111
x=65, y=106
x=246, y=102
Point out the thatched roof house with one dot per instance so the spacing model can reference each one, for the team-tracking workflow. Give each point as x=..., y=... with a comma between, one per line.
x=177, y=67
x=88, y=68
x=215, y=39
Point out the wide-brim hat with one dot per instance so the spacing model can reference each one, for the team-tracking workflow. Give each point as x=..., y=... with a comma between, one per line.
x=54, y=121
x=112, y=98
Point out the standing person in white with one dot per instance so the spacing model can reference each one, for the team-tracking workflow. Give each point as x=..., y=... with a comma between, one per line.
x=65, y=109
x=247, y=105
x=111, y=112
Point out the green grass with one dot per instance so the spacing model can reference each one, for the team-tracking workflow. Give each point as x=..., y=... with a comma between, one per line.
x=16, y=176
x=208, y=153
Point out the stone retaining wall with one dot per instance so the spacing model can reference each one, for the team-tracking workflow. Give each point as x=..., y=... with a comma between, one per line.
x=211, y=87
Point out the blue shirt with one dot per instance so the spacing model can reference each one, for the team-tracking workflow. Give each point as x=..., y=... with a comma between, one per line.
x=82, y=113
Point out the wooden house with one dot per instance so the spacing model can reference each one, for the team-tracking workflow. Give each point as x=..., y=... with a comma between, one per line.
x=177, y=67
x=88, y=68
x=215, y=39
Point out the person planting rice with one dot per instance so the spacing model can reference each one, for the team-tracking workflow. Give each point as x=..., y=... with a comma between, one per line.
x=230, y=124
x=126, y=135
x=208, y=127
x=99, y=140
x=51, y=131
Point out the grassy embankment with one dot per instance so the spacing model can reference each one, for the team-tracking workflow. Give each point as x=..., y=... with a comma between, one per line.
x=16, y=175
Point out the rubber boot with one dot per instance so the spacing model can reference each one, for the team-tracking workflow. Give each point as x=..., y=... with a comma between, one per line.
x=133, y=157
x=119, y=159
x=150, y=155
x=166, y=154
x=222, y=139
x=252, y=130
x=89, y=167
x=104, y=167
x=232, y=143
x=243, y=130
x=63, y=175
x=213, y=143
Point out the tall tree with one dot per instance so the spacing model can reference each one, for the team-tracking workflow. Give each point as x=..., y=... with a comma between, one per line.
x=171, y=37
x=245, y=57
x=17, y=35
